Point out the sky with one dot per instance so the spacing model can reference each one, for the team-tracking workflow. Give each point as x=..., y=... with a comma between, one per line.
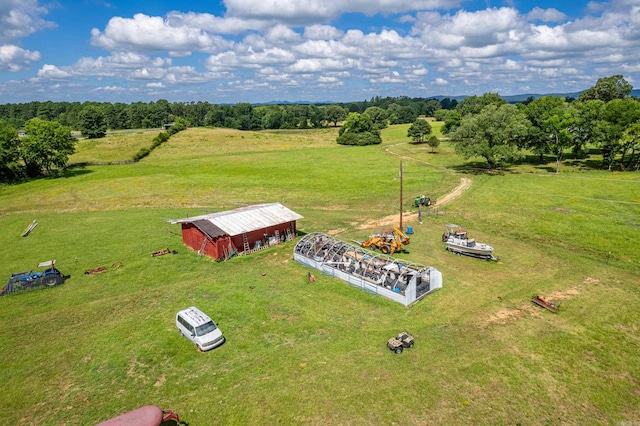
x=258, y=51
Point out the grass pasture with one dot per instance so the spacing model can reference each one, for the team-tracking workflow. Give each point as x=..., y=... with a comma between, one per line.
x=301, y=353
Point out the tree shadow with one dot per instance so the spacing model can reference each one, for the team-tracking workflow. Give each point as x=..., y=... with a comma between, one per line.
x=75, y=170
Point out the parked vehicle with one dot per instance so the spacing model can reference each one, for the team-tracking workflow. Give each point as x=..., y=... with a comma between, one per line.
x=401, y=341
x=389, y=242
x=422, y=200
x=459, y=243
x=199, y=328
x=29, y=280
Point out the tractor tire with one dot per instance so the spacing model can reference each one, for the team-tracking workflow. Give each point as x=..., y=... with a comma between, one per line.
x=50, y=280
x=385, y=249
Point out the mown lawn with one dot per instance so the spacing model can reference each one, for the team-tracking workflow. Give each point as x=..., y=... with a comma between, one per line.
x=301, y=353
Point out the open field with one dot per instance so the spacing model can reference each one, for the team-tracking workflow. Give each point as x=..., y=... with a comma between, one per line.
x=301, y=353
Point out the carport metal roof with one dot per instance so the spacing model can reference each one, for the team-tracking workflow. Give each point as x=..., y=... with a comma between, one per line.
x=246, y=219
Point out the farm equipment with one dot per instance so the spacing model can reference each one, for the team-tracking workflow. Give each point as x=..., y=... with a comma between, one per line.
x=401, y=341
x=388, y=242
x=23, y=281
x=422, y=200
x=540, y=300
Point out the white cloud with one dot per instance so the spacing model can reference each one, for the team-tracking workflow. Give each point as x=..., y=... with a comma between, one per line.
x=14, y=58
x=545, y=15
x=52, y=71
x=298, y=12
x=322, y=32
x=20, y=18
x=153, y=33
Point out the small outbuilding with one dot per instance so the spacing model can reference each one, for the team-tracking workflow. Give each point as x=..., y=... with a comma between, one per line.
x=240, y=231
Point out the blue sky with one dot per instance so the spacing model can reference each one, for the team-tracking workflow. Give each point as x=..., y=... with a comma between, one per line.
x=310, y=50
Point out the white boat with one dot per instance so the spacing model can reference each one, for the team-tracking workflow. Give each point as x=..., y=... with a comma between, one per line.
x=458, y=242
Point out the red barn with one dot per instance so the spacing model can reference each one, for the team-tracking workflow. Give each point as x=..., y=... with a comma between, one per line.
x=220, y=235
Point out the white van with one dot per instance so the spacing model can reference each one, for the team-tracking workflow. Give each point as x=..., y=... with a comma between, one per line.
x=196, y=326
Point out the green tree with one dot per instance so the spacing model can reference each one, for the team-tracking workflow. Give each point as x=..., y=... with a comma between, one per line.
x=587, y=116
x=10, y=169
x=631, y=146
x=474, y=104
x=358, y=129
x=433, y=142
x=335, y=113
x=46, y=147
x=418, y=130
x=379, y=116
x=607, y=89
x=539, y=112
x=494, y=134
x=93, y=122
x=431, y=107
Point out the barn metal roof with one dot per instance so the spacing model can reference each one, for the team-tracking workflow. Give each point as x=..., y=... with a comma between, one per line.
x=247, y=219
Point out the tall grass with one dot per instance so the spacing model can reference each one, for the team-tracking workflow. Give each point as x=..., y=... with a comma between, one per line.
x=302, y=353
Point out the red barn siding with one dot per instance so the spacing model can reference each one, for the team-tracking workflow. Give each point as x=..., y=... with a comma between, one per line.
x=258, y=235
x=192, y=237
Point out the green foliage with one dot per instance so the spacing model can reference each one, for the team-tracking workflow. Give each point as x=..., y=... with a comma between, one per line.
x=358, y=129
x=418, y=130
x=335, y=113
x=474, y=104
x=433, y=142
x=493, y=134
x=46, y=147
x=93, y=122
x=141, y=154
x=607, y=89
x=379, y=116
x=10, y=170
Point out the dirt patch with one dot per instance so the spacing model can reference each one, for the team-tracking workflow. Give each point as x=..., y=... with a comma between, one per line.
x=336, y=231
x=393, y=219
x=506, y=315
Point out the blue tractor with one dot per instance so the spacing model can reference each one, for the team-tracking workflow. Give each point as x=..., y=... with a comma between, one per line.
x=24, y=281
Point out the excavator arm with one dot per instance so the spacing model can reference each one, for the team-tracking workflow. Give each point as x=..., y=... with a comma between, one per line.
x=402, y=237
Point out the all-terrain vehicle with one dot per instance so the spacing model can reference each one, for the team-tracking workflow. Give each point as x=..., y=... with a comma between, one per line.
x=422, y=200
x=24, y=281
x=399, y=342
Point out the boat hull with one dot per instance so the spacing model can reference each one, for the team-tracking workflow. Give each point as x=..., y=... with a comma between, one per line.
x=469, y=248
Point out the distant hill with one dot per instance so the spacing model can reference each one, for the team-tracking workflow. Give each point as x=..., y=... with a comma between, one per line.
x=511, y=99
x=521, y=98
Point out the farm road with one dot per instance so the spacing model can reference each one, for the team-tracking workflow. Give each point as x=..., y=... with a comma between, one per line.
x=465, y=183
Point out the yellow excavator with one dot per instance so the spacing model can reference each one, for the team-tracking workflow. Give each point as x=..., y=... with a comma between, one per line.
x=387, y=242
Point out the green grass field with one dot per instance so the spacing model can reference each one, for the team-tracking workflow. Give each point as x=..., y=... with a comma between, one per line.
x=302, y=353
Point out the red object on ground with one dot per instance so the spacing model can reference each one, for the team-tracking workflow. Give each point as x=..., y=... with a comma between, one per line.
x=149, y=415
x=312, y=278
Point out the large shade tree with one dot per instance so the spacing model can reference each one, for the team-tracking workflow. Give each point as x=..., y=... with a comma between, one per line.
x=495, y=134
x=607, y=89
x=46, y=147
x=358, y=129
x=10, y=169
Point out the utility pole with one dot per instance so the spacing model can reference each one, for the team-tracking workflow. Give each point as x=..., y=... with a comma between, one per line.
x=401, y=196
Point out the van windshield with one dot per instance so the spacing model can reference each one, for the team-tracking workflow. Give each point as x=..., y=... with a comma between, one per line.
x=205, y=328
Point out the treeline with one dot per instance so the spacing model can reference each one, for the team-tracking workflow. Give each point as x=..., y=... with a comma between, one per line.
x=242, y=116
x=604, y=117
